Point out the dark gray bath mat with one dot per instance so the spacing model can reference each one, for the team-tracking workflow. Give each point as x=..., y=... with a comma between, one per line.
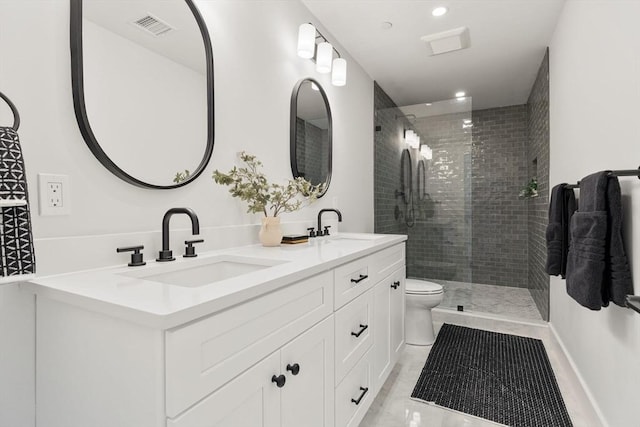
x=500, y=377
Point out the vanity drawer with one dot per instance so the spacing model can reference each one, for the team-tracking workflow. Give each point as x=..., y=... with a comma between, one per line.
x=204, y=355
x=353, y=333
x=353, y=279
x=388, y=260
x=355, y=394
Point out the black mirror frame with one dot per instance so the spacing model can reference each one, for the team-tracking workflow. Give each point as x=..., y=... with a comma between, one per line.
x=421, y=178
x=292, y=133
x=77, y=84
x=406, y=171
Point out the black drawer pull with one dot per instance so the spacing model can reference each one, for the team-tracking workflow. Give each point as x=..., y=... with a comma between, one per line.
x=279, y=380
x=364, y=391
x=395, y=285
x=294, y=369
x=360, y=279
x=357, y=334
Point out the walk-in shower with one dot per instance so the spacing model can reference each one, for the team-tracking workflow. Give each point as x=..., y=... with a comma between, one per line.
x=471, y=196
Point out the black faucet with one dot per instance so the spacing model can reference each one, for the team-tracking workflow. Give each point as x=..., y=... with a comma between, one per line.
x=326, y=232
x=166, y=253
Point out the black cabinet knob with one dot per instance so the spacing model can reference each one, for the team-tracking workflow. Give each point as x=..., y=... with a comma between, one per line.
x=137, y=258
x=294, y=369
x=190, y=250
x=279, y=380
x=395, y=285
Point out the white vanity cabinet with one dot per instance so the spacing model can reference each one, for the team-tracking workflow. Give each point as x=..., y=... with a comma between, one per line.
x=312, y=353
x=303, y=397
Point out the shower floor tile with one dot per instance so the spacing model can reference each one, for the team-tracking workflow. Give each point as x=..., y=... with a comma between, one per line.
x=498, y=300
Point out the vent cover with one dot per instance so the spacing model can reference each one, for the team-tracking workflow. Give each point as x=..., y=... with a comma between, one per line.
x=152, y=25
x=447, y=41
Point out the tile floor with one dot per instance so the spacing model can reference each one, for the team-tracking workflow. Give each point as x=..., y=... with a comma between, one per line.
x=500, y=300
x=393, y=407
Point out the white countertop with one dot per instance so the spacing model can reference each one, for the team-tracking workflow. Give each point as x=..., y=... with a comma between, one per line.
x=114, y=292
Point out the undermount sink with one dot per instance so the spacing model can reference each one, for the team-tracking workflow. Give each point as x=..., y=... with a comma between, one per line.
x=203, y=271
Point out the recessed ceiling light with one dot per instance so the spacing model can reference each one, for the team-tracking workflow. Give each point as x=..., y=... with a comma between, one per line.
x=460, y=94
x=439, y=11
x=428, y=104
x=386, y=25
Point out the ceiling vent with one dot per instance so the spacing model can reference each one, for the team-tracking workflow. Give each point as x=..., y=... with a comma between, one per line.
x=152, y=25
x=447, y=41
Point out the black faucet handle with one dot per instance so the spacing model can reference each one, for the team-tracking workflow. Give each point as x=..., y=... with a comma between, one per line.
x=190, y=250
x=137, y=258
x=326, y=230
x=311, y=231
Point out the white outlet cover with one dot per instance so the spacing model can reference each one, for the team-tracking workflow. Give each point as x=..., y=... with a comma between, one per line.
x=44, y=207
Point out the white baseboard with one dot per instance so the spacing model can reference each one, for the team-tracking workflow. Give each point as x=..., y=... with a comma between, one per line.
x=583, y=384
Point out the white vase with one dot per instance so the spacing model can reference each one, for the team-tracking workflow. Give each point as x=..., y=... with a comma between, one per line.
x=270, y=233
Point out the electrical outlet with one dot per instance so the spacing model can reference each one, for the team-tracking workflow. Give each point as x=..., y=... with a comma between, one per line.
x=54, y=194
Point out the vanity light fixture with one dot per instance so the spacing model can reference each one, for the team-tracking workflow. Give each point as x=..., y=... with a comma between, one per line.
x=324, y=58
x=426, y=152
x=411, y=138
x=306, y=41
x=312, y=44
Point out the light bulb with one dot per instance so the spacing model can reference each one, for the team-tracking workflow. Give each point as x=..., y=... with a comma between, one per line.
x=339, y=73
x=306, y=41
x=324, y=58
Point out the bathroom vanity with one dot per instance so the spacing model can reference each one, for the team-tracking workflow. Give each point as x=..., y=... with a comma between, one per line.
x=300, y=335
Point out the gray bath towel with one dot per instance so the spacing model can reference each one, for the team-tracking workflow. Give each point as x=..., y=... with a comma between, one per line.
x=561, y=209
x=597, y=268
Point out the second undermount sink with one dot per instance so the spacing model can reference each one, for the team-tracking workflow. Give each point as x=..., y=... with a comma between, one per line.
x=203, y=271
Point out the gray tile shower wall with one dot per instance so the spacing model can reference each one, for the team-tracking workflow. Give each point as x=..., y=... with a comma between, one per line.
x=389, y=144
x=538, y=164
x=499, y=224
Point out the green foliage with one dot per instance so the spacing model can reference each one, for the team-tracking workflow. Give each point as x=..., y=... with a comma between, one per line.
x=530, y=190
x=251, y=185
x=181, y=176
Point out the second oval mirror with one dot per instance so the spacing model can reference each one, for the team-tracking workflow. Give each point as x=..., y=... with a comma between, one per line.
x=311, y=133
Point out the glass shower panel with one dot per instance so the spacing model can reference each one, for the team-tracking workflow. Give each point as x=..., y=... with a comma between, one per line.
x=439, y=247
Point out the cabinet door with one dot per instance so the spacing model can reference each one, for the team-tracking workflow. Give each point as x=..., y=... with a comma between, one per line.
x=397, y=306
x=381, y=352
x=308, y=364
x=251, y=399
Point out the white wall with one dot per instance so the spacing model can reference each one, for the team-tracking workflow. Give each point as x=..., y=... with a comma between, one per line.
x=595, y=105
x=256, y=67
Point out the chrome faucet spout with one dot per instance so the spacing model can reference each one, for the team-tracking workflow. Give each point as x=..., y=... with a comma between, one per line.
x=166, y=253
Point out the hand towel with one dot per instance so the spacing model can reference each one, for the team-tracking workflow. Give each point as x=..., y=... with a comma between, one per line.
x=561, y=209
x=16, y=240
x=597, y=268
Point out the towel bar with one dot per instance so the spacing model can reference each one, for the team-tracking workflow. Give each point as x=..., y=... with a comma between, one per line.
x=624, y=172
x=633, y=302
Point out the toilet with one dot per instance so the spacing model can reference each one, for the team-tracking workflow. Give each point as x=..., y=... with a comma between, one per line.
x=422, y=296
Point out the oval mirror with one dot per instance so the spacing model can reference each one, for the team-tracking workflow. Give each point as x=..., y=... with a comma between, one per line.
x=142, y=78
x=422, y=180
x=311, y=133
x=406, y=171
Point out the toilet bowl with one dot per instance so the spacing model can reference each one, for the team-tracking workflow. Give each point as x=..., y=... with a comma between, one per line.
x=421, y=297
